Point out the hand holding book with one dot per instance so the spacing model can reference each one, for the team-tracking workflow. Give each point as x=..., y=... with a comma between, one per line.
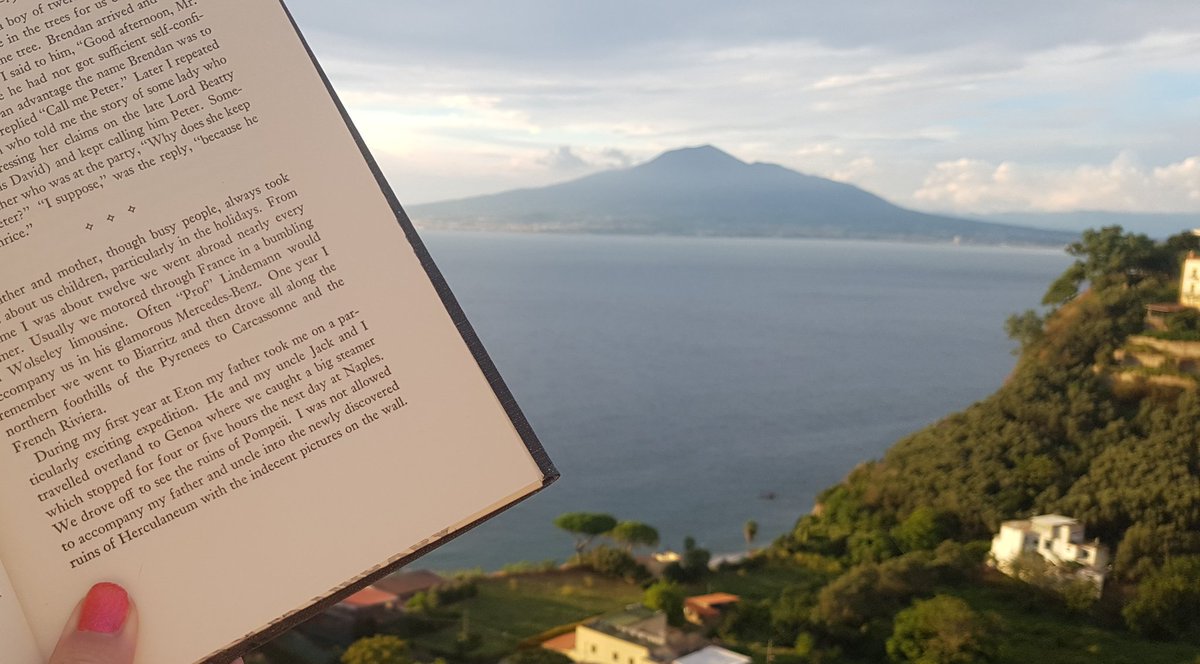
x=102, y=630
x=217, y=326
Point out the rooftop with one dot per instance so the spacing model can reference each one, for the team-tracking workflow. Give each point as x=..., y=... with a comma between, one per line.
x=561, y=643
x=635, y=624
x=715, y=599
x=1053, y=520
x=408, y=583
x=713, y=655
x=369, y=596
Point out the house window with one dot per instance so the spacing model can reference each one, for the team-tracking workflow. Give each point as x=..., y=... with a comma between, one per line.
x=616, y=657
x=593, y=647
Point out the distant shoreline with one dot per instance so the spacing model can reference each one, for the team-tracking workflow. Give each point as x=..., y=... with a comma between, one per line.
x=576, y=232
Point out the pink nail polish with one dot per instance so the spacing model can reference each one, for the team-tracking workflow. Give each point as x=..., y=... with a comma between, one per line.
x=104, y=609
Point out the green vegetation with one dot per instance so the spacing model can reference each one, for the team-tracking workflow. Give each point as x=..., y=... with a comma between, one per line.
x=1056, y=437
x=1181, y=326
x=585, y=526
x=634, y=533
x=891, y=563
x=1168, y=601
x=667, y=597
x=379, y=649
x=1033, y=629
x=693, y=566
x=942, y=630
x=749, y=532
x=447, y=593
x=612, y=562
x=1059, y=436
x=507, y=611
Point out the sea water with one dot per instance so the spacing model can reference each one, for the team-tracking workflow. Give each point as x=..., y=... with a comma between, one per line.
x=697, y=383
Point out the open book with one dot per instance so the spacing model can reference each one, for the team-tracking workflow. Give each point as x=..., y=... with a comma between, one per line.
x=231, y=379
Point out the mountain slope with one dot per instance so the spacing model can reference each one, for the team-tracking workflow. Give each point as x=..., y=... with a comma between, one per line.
x=704, y=191
x=1155, y=224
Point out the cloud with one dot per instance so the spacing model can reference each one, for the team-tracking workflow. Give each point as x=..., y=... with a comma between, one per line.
x=1124, y=184
x=817, y=150
x=563, y=159
x=533, y=31
x=615, y=158
x=566, y=159
x=490, y=93
x=856, y=170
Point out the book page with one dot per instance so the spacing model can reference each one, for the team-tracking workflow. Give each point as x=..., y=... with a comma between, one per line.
x=16, y=641
x=226, y=379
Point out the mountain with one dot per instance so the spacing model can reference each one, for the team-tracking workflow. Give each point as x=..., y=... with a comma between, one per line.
x=704, y=191
x=1155, y=224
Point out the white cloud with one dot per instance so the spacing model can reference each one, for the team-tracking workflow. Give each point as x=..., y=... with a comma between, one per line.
x=1183, y=178
x=564, y=160
x=819, y=150
x=856, y=170
x=1124, y=184
x=575, y=160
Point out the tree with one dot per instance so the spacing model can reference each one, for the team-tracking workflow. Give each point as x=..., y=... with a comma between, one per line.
x=1026, y=329
x=805, y=643
x=869, y=546
x=919, y=531
x=695, y=558
x=941, y=630
x=667, y=597
x=693, y=565
x=1167, y=601
x=585, y=526
x=851, y=600
x=423, y=602
x=611, y=561
x=746, y=622
x=750, y=531
x=634, y=533
x=1109, y=257
x=379, y=649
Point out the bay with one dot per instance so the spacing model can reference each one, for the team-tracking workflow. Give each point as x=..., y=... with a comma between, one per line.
x=696, y=383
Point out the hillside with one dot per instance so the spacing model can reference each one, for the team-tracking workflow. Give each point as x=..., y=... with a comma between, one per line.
x=704, y=191
x=889, y=566
x=1061, y=436
x=1158, y=225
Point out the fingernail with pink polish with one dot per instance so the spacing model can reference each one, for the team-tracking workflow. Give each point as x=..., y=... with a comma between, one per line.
x=104, y=609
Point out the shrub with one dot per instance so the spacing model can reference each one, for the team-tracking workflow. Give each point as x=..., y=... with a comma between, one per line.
x=667, y=597
x=609, y=561
x=528, y=567
x=380, y=649
x=1168, y=600
x=942, y=630
x=922, y=529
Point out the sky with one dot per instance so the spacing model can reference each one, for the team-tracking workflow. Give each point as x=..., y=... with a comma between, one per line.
x=939, y=105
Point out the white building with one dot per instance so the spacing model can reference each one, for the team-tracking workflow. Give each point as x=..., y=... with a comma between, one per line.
x=1189, y=288
x=713, y=655
x=1057, y=539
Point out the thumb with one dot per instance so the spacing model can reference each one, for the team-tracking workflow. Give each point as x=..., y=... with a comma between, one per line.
x=102, y=630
